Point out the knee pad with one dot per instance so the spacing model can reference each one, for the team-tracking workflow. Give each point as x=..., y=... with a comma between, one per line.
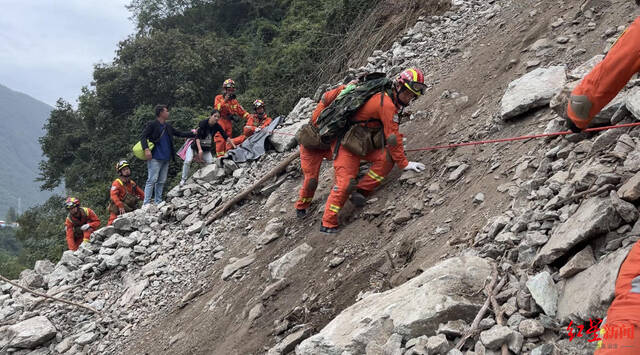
x=581, y=106
x=392, y=140
x=352, y=185
x=313, y=184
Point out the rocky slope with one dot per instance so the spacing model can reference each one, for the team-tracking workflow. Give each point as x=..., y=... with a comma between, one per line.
x=551, y=219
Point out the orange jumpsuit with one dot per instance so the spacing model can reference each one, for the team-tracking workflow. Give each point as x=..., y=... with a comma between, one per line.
x=610, y=76
x=227, y=108
x=75, y=236
x=622, y=328
x=118, y=191
x=311, y=159
x=347, y=164
x=254, y=122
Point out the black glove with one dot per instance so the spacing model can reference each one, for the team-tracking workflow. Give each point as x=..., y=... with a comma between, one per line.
x=572, y=126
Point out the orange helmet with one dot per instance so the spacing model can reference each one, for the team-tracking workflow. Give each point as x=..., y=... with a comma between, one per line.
x=413, y=80
x=258, y=103
x=71, y=202
x=229, y=83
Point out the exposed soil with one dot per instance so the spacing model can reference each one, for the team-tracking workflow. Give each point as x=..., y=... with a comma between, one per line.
x=481, y=70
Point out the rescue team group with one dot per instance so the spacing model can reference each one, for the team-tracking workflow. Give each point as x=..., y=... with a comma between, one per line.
x=379, y=114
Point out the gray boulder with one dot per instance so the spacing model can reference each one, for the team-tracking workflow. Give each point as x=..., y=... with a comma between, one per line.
x=584, y=69
x=273, y=231
x=625, y=209
x=44, y=267
x=581, y=261
x=544, y=292
x=57, y=275
x=496, y=336
x=281, y=267
x=210, y=173
x=594, y=217
x=31, y=279
x=237, y=265
x=31, y=333
x=440, y=294
x=534, y=89
x=284, y=138
x=589, y=293
x=630, y=191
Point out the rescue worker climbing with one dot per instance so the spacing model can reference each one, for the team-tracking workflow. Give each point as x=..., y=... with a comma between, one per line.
x=379, y=114
x=257, y=121
x=622, y=324
x=124, y=193
x=311, y=159
x=604, y=82
x=228, y=106
x=80, y=223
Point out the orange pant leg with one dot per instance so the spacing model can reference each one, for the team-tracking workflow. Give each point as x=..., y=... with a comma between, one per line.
x=77, y=240
x=610, y=76
x=310, y=161
x=346, y=168
x=221, y=144
x=382, y=165
x=112, y=217
x=87, y=235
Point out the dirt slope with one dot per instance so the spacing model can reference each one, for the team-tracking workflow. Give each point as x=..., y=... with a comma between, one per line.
x=479, y=68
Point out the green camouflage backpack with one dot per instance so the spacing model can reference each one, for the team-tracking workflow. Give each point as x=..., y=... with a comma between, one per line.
x=335, y=120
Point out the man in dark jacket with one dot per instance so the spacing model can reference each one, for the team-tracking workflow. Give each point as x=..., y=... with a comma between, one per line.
x=161, y=133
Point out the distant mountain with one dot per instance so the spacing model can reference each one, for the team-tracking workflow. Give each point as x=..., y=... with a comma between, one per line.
x=21, y=120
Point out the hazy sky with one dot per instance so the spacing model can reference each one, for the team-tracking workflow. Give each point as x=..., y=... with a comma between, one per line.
x=48, y=47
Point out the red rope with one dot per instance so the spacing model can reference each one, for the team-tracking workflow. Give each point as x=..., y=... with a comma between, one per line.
x=501, y=140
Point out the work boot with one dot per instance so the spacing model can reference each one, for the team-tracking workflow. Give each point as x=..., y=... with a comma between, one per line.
x=328, y=230
x=301, y=213
x=358, y=199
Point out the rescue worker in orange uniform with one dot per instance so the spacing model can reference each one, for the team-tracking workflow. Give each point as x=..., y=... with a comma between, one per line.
x=228, y=106
x=622, y=326
x=257, y=121
x=311, y=159
x=606, y=79
x=380, y=111
x=125, y=194
x=80, y=223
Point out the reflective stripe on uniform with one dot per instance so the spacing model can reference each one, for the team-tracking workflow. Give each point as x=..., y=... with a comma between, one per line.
x=306, y=199
x=219, y=154
x=334, y=208
x=375, y=176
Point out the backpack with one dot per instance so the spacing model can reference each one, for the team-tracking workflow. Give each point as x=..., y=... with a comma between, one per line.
x=335, y=120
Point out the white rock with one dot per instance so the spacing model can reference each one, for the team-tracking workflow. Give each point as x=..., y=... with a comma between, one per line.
x=534, y=89
x=589, y=293
x=544, y=292
x=439, y=294
x=284, y=264
x=30, y=333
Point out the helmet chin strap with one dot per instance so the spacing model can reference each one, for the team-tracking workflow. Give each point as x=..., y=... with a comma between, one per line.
x=396, y=99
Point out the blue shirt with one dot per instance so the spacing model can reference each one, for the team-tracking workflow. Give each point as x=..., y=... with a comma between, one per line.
x=162, y=149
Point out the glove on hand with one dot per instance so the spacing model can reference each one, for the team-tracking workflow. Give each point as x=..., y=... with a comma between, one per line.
x=415, y=166
x=85, y=227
